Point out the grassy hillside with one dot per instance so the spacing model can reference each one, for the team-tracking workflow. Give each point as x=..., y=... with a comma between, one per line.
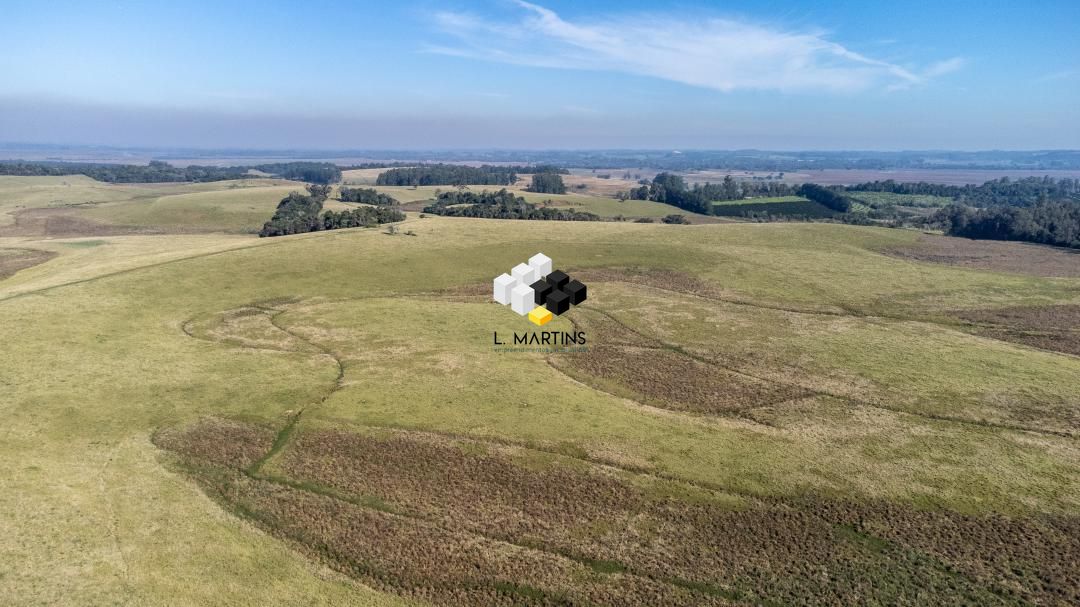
x=771, y=382
x=69, y=205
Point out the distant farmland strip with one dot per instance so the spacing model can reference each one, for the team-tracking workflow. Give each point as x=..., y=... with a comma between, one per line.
x=784, y=205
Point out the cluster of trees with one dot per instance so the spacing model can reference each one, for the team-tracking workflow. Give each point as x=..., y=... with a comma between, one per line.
x=448, y=174
x=366, y=196
x=500, y=205
x=299, y=213
x=675, y=218
x=311, y=172
x=547, y=183
x=155, y=172
x=538, y=168
x=295, y=214
x=161, y=172
x=732, y=189
x=1004, y=191
x=672, y=189
x=1053, y=223
x=828, y=197
x=361, y=217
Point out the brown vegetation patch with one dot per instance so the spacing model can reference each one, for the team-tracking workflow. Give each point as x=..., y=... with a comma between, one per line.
x=1031, y=559
x=1055, y=328
x=427, y=561
x=670, y=280
x=13, y=260
x=63, y=223
x=1066, y=343
x=1014, y=257
x=247, y=327
x=468, y=522
x=416, y=206
x=673, y=380
x=467, y=292
x=632, y=365
x=218, y=441
x=1029, y=318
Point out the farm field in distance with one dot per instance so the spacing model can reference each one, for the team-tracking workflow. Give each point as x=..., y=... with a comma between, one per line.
x=788, y=205
x=773, y=413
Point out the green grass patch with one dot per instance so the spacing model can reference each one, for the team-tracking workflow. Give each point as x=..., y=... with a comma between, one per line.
x=84, y=244
x=782, y=206
x=878, y=200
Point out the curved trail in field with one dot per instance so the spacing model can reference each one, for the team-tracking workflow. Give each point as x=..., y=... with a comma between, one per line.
x=819, y=392
x=285, y=434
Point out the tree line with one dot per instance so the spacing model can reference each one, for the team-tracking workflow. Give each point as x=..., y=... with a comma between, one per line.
x=500, y=205
x=1045, y=222
x=300, y=213
x=672, y=189
x=1012, y=192
x=311, y=172
x=828, y=197
x=162, y=172
x=447, y=174
x=547, y=183
x=154, y=172
x=366, y=196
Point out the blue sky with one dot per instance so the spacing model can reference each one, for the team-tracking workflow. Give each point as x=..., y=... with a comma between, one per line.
x=554, y=74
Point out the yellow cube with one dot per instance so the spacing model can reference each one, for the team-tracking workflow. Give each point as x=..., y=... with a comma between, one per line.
x=540, y=316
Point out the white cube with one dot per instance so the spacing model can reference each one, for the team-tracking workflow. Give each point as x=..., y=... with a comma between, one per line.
x=522, y=299
x=503, y=285
x=542, y=264
x=525, y=274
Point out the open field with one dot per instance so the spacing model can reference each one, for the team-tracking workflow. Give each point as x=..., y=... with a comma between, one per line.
x=600, y=205
x=887, y=199
x=766, y=414
x=608, y=207
x=780, y=205
x=78, y=206
x=618, y=180
x=361, y=176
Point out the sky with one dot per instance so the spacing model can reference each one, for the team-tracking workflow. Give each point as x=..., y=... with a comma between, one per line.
x=770, y=74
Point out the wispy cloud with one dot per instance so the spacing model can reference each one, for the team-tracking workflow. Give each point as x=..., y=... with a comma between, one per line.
x=720, y=54
x=1061, y=75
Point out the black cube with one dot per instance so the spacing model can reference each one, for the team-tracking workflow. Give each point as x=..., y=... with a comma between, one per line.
x=541, y=289
x=576, y=290
x=557, y=302
x=558, y=279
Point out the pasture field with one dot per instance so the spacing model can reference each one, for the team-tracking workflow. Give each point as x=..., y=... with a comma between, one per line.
x=773, y=200
x=77, y=205
x=586, y=181
x=780, y=205
x=360, y=176
x=608, y=207
x=600, y=205
x=766, y=414
x=877, y=200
